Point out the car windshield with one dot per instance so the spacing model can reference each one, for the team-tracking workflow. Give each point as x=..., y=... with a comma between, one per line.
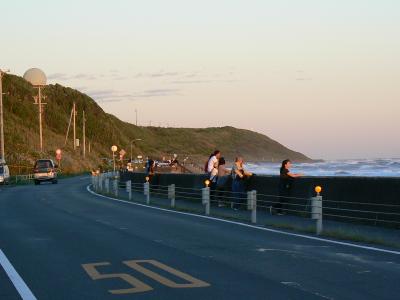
x=43, y=164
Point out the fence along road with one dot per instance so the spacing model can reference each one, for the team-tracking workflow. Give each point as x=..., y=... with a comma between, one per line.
x=68, y=244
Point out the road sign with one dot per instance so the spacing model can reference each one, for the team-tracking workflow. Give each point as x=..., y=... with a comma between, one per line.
x=58, y=154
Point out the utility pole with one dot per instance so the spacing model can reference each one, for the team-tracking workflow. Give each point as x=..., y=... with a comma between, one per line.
x=1, y=117
x=84, y=133
x=136, y=115
x=38, y=101
x=74, y=116
x=40, y=119
x=69, y=125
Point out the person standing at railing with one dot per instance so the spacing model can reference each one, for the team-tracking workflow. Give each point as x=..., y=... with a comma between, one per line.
x=150, y=166
x=212, y=171
x=239, y=175
x=222, y=181
x=286, y=180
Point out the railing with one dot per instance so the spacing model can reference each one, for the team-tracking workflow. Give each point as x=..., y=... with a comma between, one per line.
x=23, y=178
x=314, y=208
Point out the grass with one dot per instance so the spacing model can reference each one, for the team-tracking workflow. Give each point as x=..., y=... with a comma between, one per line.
x=337, y=234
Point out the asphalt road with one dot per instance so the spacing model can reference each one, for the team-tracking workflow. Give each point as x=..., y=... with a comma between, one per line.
x=68, y=244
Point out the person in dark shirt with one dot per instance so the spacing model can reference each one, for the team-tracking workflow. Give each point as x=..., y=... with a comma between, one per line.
x=286, y=180
x=150, y=166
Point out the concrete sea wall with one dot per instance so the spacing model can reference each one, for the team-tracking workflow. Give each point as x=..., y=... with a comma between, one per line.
x=371, y=200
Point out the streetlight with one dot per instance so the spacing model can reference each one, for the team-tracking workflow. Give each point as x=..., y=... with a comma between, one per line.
x=38, y=79
x=114, y=149
x=132, y=148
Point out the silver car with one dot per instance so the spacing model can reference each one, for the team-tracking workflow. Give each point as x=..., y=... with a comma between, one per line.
x=4, y=174
x=45, y=170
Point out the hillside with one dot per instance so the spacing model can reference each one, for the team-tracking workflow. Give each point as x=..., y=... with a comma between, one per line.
x=104, y=130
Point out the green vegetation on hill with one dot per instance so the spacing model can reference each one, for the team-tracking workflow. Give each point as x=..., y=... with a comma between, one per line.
x=104, y=130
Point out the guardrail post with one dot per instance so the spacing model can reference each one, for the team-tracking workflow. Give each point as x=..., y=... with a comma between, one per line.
x=107, y=183
x=115, y=186
x=253, y=207
x=316, y=213
x=249, y=200
x=205, y=192
x=98, y=183
x=171, y=194
x=129, y=189
x=94, y=183
x=100, y=187
x=147, y=192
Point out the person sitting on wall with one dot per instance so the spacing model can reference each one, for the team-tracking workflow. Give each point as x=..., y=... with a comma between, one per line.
x=239, y=175
x=222, y=181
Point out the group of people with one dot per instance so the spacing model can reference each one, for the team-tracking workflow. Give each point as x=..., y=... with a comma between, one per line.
x=219, y=177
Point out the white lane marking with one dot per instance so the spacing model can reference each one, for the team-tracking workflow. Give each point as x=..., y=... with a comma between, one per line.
x=17, y=281
x=277, y=250
x=252, y=226
x=363, y=272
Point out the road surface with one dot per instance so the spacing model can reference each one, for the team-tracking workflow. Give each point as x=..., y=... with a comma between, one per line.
x=65, y=243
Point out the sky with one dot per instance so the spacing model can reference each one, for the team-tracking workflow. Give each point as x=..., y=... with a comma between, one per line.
x=320, y=77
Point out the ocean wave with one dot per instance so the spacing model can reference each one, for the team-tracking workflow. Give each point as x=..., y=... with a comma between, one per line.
x=367, y=167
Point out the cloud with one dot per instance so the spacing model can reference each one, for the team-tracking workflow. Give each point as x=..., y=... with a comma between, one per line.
x=191, y=81
x=109, y=95
x=164, y=74
x=199, y=78
x=157, y=74
x=100, y=93
x=159, y=91
x=156, y=93
x=57, y=76
x=84, y=76
x=120, y=78
x=203, y=81
x=64, y=76
x=303, y=79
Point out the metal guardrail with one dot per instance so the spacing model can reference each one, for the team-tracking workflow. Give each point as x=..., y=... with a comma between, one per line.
x=108, y=183
x=26, y=177
x=314, y=208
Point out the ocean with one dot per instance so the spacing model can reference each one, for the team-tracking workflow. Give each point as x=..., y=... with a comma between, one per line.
x=353, y=167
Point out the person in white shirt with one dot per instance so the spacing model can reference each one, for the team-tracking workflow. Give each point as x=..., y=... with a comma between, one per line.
x=212, y=165
x=212, y=171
